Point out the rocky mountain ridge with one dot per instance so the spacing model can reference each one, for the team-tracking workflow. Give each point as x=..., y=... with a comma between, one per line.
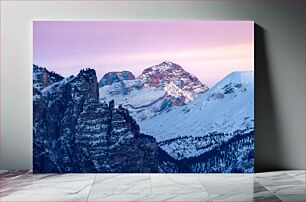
x=113, y=77
x=74, y=132
x=174, y=79
x=158, y=89
x=43, y=78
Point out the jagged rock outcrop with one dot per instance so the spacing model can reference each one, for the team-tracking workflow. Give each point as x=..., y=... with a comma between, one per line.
x=177, y=82
x=43, y=78
x=114, y=77
x=74, y=132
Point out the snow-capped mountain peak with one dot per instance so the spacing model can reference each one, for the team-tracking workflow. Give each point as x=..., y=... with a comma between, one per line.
x=166, y=65
x=223, y=114
x=158, y=89
x=238, y=77
x=226, y=107
x=166, y=72
x=174, y=79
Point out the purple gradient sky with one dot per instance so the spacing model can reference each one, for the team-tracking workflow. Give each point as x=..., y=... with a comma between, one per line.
x=208, y=49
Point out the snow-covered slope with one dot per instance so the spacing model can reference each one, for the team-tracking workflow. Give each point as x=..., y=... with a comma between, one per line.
x=220, y=113
x=143, y=103
x=158, y=89
x=226, y=107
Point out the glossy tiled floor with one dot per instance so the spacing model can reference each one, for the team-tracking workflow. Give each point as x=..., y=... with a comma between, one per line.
x=271, y=186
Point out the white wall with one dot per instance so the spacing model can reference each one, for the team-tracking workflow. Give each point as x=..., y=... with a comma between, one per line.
x=280, y=73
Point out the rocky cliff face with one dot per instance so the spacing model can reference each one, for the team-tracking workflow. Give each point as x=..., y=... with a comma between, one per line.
x=114, y=77
x=43, y=78
x=74, y=132
x=177, y=82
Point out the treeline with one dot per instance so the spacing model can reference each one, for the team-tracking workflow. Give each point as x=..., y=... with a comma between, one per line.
x=233, y=156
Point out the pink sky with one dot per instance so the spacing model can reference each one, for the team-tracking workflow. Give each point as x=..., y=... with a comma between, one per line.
x=208, y=49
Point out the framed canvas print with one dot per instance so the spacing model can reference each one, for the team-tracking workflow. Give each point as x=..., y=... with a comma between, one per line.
x=143, y=96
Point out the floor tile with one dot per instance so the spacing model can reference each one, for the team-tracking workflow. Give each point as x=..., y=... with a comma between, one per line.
x=245, y=198
x=298, y=175
x=282, y=184
x=224, y=178
x=14, y=174
x=43, y=198
x=287, y=186
x=15, y=180
x=150, y=198
x=230, y=184
x=260, y=189
x=266, y=198
x=272, y=175
x=292, y=197
x=287, y=189
x=47, y=184
x=171, y=184
x=121, y=184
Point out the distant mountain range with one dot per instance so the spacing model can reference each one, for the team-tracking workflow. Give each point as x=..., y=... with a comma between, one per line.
x=165, y=120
